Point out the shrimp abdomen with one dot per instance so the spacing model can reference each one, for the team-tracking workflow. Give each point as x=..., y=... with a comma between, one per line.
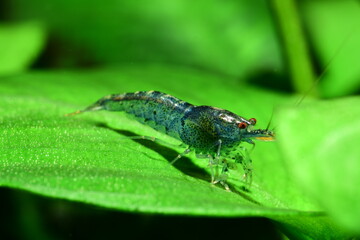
x=156, y=109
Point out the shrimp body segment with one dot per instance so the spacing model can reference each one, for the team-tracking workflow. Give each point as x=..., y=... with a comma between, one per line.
x=210, y=132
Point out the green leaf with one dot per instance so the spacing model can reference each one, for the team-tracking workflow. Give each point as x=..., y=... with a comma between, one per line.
x=86, y=157
x=335, y=33
x=320, y=143
x=19, y=45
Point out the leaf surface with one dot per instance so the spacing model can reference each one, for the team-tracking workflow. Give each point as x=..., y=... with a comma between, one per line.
x=87, y=157
x=323, y=154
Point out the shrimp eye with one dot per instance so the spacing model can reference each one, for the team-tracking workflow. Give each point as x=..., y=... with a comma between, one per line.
x=253, y=121
x=242, y=125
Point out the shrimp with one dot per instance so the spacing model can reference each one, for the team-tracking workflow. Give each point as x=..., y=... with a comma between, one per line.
x=210, y=132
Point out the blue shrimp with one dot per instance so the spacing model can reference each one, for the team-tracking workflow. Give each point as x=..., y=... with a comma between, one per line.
x=210, y=132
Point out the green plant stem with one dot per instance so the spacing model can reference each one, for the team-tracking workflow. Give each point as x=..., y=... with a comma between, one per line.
x=296, y=49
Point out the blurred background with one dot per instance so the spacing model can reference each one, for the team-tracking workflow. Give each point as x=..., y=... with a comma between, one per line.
x=278, y=45
x=269, y=43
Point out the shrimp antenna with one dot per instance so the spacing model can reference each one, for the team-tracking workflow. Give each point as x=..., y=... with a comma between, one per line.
x=326, y=69
x=271, y=118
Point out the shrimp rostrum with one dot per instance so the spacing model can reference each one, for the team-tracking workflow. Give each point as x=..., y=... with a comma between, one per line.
x=210, y=132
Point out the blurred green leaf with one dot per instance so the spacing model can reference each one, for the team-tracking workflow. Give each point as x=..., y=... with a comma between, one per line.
x=320, y=142
x=20, y=44
x=232, y=38
x=85, y=158
x=335, y=33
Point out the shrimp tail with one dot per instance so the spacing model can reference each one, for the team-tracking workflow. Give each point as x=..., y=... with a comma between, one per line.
x=99, y=105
